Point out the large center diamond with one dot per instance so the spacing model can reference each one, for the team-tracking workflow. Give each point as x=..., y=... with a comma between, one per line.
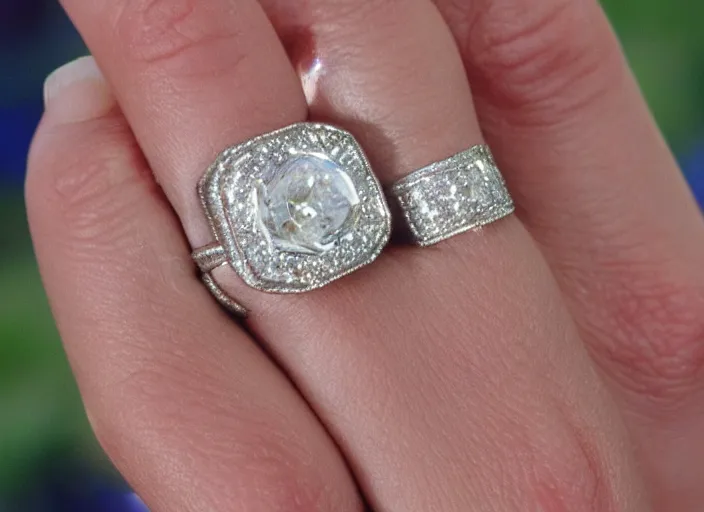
x=308, y=204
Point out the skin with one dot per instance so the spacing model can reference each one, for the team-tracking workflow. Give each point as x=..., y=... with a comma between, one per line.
x=552, y=361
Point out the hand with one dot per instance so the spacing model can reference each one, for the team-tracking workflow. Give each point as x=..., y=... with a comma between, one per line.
x=552, y=361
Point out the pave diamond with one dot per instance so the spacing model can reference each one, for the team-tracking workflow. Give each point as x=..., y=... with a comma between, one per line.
x=446, y=198
x=308, y=204
x=296, y=208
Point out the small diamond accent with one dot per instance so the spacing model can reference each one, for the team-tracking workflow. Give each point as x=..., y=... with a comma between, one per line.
x=463, y=192
x=297, y=208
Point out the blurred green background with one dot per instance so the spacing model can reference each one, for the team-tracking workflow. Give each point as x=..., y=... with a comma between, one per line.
x=43, y=431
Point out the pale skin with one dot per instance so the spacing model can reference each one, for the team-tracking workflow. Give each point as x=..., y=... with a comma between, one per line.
x=553, y=361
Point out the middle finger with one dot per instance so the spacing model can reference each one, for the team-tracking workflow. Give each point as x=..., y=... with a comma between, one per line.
x=461, y=354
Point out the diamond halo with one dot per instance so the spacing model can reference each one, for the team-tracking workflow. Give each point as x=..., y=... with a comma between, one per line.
x=296, y=209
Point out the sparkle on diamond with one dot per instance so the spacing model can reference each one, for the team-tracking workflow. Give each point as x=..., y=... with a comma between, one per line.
x=307, y=205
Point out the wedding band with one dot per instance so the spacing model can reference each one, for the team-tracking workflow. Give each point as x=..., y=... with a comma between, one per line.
x=444, y=199
x=291, y=211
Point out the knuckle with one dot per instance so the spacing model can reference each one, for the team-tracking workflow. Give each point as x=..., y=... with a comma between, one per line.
x=659, y=338
x=91, y=185
x=557, y=54
x=572, y=472
x=179, y=32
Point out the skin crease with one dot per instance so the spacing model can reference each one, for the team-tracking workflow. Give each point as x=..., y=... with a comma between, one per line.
x=178, y=394
x=551, y=86
x=465, y=387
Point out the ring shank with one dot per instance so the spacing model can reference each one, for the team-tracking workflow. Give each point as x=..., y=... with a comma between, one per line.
x=208, y=258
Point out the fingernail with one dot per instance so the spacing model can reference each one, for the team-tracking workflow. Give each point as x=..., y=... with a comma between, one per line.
x=77, y=91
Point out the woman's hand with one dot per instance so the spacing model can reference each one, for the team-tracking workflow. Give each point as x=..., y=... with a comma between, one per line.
x=552, y=361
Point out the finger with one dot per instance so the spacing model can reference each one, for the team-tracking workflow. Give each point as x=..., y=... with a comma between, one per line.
x=313, y=348
x=192, y=413
x=192, y=78
x=462, y=353
x=599, y=190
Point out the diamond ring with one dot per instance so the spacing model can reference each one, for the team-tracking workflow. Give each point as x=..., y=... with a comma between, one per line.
x=292, y=211
x=446, y=198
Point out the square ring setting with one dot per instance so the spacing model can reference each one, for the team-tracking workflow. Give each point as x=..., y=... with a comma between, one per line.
x=297, y=208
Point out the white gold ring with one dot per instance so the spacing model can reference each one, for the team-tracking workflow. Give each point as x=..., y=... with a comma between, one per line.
x=292, y=211
x=444, y=199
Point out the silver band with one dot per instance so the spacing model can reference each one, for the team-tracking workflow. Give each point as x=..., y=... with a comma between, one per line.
x=446, y=198
x=209, y=258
